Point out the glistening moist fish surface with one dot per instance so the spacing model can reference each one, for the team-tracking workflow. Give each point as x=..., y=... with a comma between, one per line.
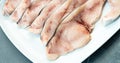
x=38, y=23
x=19, y=11
x=32, y=12
x=55, y=19
x=71, y=34
x=10, y=6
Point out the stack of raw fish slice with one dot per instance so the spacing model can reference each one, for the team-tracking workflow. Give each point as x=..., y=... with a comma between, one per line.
x=64, y=25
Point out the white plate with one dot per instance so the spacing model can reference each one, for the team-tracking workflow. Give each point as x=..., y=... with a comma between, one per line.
x=31, y=46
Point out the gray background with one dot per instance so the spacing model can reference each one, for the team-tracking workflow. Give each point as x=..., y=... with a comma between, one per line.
x=108, y=53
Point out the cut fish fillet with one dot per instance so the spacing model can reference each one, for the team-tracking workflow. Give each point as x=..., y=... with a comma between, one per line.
x=113, y=13
x=37, y=25
x=69, y=36
x=17, y=14
x=92, y=13
x=32, y=12
x=72, y=33
x=10, y=6
x=54, y=20
x=69, y=31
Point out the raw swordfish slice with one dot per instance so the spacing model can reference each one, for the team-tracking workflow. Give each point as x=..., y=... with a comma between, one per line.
x=114, y=13
x=19, y=11
x=70, y=35
x=32, y=12
x=53, y=22
x=10, y=6
x=37, y=25
x=53, y=19
x=92, y=13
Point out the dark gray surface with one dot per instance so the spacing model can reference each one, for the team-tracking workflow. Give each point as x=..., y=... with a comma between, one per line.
x=108, y=53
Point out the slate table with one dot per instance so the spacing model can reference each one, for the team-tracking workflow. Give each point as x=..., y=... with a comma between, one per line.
x=108, y=53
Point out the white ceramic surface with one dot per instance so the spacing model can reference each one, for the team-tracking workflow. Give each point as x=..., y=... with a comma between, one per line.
x=31, y=46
